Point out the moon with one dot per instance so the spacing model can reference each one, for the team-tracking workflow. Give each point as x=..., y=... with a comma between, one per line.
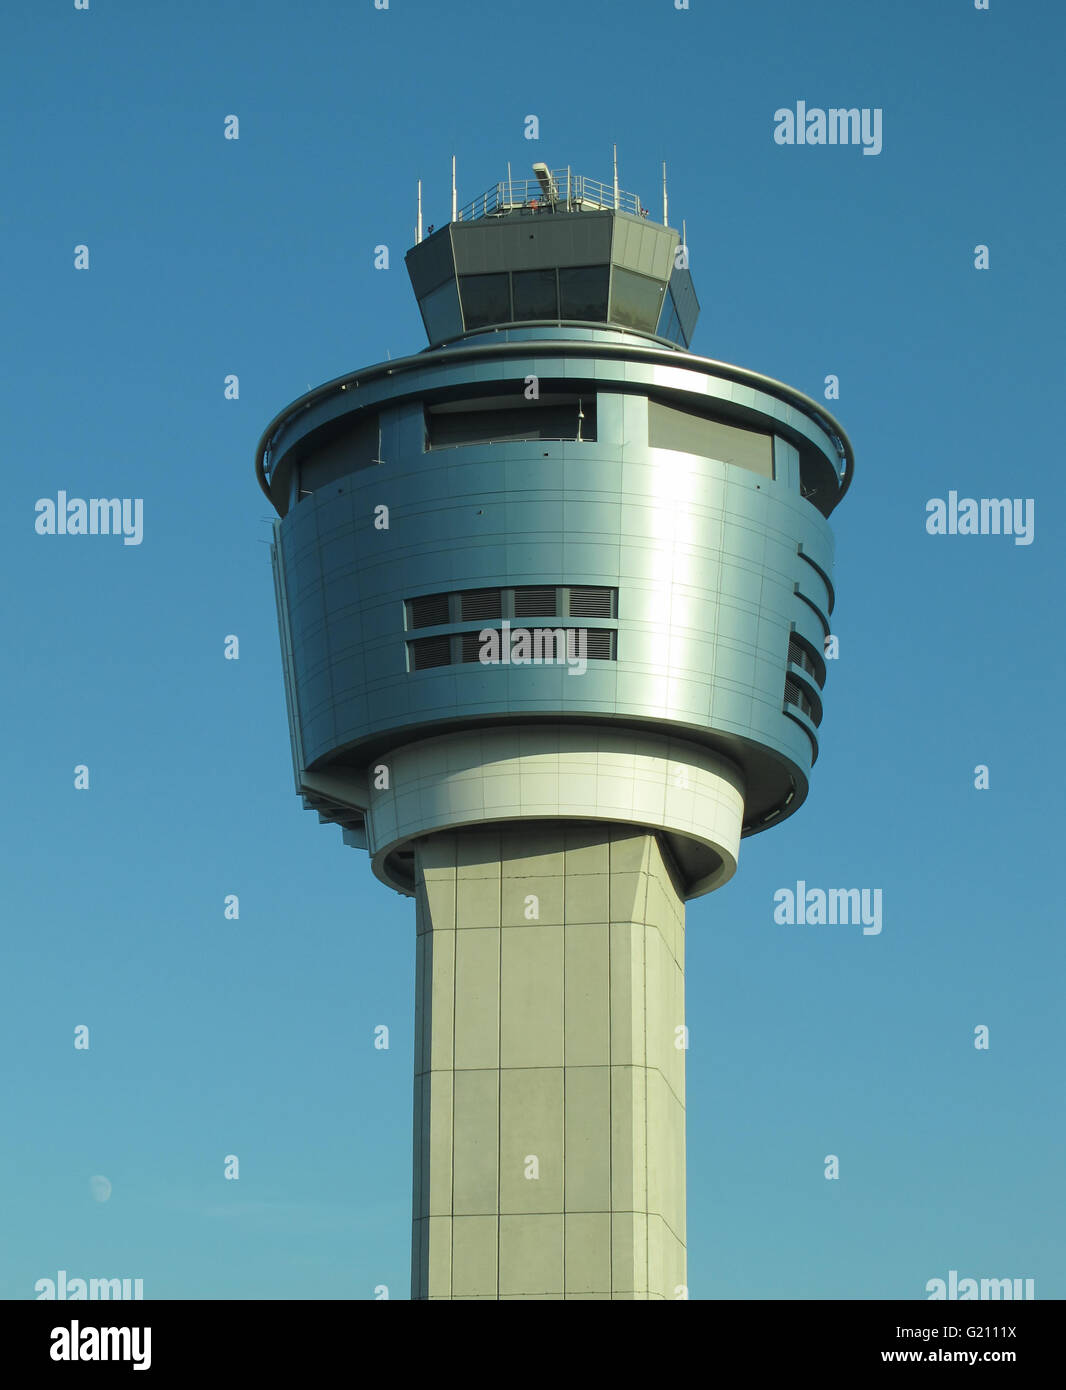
x=100, y=1188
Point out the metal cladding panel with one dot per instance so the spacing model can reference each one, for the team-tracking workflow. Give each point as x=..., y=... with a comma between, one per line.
x=430, y=263
x=643, y=246
x=705, y=557
x=532, y=243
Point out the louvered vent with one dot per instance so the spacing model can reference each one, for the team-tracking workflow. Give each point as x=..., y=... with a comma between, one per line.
x=795, y=696
x=535, y=602
x=472, y=645
x=523, y=606
x=586, y=602
x=800, y=657
x=429, y=611
x=480, y=603
x=429, y=651
x=601, y=643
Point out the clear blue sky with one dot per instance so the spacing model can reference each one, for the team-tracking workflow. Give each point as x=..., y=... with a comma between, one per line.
x=211, y=256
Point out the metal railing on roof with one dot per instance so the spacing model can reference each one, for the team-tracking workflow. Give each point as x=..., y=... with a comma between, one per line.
x=565, y=192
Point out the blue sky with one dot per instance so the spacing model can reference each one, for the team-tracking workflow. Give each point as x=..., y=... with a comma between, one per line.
x=210, y=256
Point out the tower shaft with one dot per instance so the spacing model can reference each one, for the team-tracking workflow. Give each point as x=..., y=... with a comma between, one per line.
x=549, y=1125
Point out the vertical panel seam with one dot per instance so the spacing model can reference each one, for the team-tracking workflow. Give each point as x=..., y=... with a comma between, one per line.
x=455, y=990
x=499, y=1054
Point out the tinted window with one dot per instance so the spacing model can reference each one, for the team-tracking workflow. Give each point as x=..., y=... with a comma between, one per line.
x=691, y=432
x=534, y=294
x=537, y=420
x=486, y=299
x=635, y=299
x=440, y=313
x=583, y=292
x=668, y=321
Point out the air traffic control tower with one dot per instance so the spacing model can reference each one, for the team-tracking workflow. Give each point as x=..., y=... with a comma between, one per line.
x=553, y=595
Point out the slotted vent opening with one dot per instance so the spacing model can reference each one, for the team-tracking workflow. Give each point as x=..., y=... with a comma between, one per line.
x=480, y=603
x=794, y=695
x=471, y=646
x=429, y=651
x=431, y=610
x=799, y=656
x=588, y=602
x=535, y=601
x=542, y=602
x=601, y=644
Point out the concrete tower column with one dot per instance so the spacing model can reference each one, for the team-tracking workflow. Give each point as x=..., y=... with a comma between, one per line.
x=549, y=1135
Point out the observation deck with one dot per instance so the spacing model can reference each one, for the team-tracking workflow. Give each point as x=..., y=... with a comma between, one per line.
x=559, y=249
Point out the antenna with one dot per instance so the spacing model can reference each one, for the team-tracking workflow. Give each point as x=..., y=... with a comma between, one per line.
x=510, y=200
x=454, y=218
x=615, y=148
x=418, y=225
x=665, y=222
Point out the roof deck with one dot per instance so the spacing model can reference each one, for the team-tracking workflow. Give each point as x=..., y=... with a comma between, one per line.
x=552, y=190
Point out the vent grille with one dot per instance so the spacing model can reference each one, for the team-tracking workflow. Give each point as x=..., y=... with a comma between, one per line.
x=431, y=610
x=534, y=602
x=471, y=644
x=799, y=656
x=601, y=644
x=522, y=607
x=429, y=651
x=588, y=602
x=475, y=604
x=794, y=695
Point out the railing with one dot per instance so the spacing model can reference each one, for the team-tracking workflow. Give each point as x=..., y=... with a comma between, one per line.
x=566, y=192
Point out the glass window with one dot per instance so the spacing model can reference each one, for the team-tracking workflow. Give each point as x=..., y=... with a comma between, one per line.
x=548, y=418
x=668, y=317
x=486, y=299
x=583, y=292
x=440, y=313
x=535, y=295
x=635, y=299
x=692, y=432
